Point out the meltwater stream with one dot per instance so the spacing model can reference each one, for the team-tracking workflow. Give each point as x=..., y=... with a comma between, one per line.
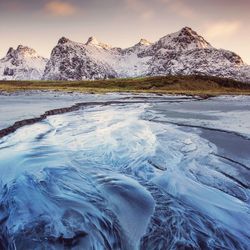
x=122, y=177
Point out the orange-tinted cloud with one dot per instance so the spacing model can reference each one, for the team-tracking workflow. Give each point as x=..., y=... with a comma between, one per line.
x=182, y=9
x=222, y=29
x=179, y=7
x=59, y=8
x=147, y=14
x=141, y=8
x=147, y=9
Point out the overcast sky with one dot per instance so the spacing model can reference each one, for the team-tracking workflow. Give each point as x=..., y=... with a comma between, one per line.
x=40, y=23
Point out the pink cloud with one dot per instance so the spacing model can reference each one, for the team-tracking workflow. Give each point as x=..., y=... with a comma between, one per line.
x=13, y=6
x=146, y=9
x=141, y=8
x=181, y=8
x=222, y=29
x=59, y=8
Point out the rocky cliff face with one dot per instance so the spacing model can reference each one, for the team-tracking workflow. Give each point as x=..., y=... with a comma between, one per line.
x=181, y=53
x=75, y=61
x=22, y=63
x=184, y=52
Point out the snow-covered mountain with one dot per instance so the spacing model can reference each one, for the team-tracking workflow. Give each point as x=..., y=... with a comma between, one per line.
x=184, y=52
x=22, y=64
x=95, y=60
x=75, y=61
x=181, y=53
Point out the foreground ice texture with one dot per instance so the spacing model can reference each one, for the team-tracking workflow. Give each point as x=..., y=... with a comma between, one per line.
x=123, y=177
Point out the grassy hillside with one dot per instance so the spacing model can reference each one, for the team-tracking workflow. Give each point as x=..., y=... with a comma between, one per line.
x=200, y=85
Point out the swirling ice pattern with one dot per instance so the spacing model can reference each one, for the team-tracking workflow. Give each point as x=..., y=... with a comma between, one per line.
x=107, y=177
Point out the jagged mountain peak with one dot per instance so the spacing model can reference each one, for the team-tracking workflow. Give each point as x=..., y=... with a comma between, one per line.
x=138, y=47
x=63, y=40
x=144, y=42
x=26, y=51
x=183, y=52
x=21, y=47
x=184, y=39
x=92, y=41
x=22, y=63
x=20, y=52
x=10, y=51
x=188, y=30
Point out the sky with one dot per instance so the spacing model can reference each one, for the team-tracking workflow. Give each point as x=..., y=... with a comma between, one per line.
x=40, y=23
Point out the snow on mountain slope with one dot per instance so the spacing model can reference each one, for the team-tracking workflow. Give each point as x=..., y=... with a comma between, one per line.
x=76, y=61
x=208, y=61
x=183, y=52
x=22, y=64
x=185, y=39
x=95, y=60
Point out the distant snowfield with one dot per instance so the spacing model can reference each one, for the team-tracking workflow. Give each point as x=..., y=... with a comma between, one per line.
x=139, y=172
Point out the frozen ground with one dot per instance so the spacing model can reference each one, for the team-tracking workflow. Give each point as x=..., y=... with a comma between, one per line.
x=149, y=172
x=25, y=105
x=229, y=113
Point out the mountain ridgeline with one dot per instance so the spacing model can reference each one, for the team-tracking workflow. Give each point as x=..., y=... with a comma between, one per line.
x=181, y=53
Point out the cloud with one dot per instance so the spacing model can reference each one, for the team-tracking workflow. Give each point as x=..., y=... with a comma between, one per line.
x=181, y=9
x=147, y=9
x=222, y=29
x=59, y=8
x=134, y=4
x=12, y=6
x=147, y=14
x=141, y=8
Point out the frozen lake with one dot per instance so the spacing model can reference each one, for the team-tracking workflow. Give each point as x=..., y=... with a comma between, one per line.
x=130, y=172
